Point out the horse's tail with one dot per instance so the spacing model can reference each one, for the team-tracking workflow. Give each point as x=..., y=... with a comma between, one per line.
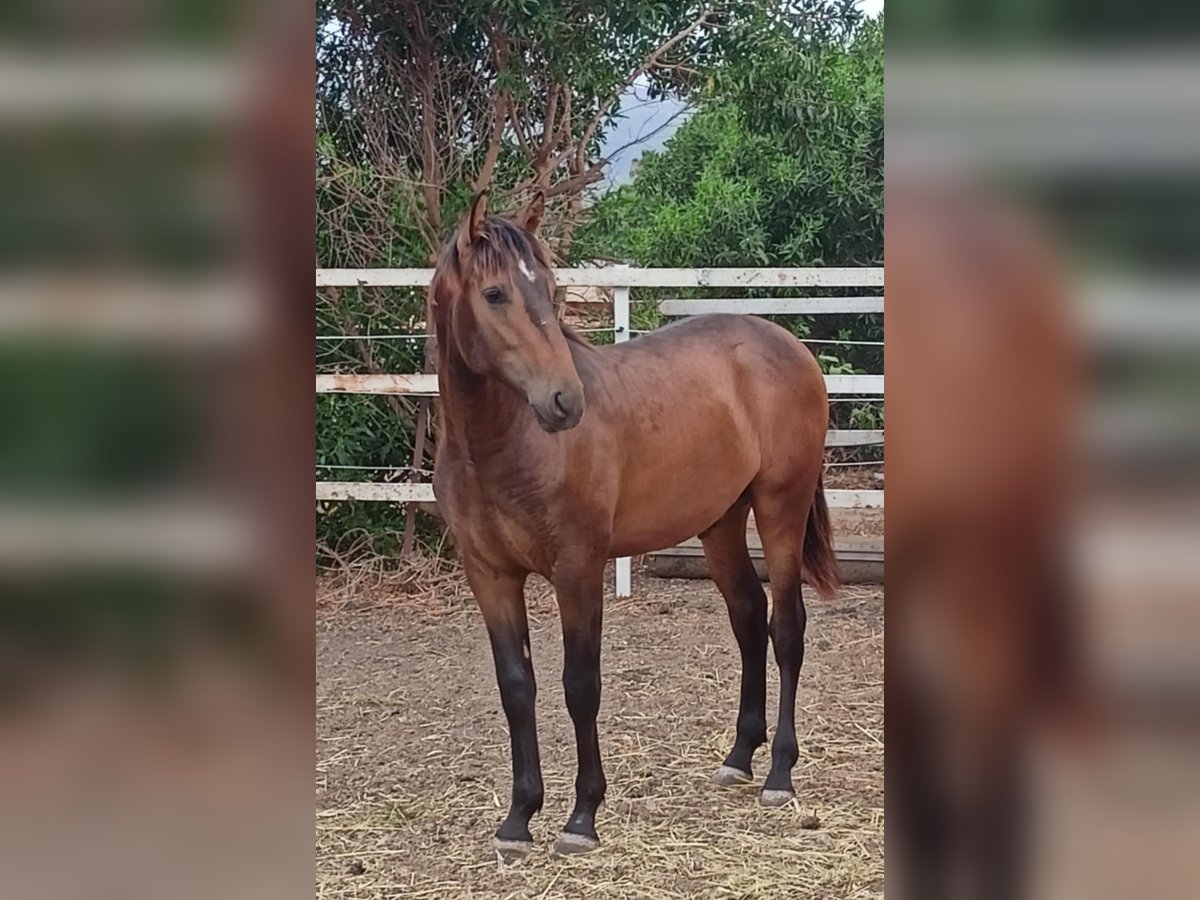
x=820, y=562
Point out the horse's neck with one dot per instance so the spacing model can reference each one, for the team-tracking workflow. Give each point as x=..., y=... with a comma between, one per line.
x=477, y=412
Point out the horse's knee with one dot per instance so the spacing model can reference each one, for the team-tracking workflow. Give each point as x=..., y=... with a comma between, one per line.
x=591, y=785
x=753, y=723
x=582, y=687
x=788, y=641
x=518, y=689
x=748, y=614
x=787, y=626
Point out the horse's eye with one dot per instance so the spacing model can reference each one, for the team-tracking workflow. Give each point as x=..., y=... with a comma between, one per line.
x=495, y=296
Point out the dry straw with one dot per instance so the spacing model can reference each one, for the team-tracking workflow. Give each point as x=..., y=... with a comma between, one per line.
x=412, y=771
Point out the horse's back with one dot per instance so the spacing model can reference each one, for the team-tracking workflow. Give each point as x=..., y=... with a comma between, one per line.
x=702, y=409
x=758, y=372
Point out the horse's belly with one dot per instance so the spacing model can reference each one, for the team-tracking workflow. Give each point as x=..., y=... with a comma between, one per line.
x=673, y=511
x=697, y=455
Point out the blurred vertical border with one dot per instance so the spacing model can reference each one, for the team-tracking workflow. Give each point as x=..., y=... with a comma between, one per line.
x=156, y=449
x=1043, y=322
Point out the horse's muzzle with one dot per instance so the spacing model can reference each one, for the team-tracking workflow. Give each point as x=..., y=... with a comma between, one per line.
x=559, y=411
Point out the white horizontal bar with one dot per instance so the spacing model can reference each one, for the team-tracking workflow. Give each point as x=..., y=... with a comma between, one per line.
x=1051, y=86
x=374, y=490
x=854, y=384
x=1146, y=314
x=772, y=306
x=423, y=493
x=630, y=276
x=374, y=277
x=853, y=437
x=192, y=536
x=122, y=310
x=427, y=384
x=836, y=438
x=42, y=87
x=854, y=499
x=377, y=384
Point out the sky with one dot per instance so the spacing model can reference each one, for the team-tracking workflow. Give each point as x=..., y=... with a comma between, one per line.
x=647, y=125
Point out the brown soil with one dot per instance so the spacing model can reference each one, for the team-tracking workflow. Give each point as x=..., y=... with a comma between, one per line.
x=413, y=765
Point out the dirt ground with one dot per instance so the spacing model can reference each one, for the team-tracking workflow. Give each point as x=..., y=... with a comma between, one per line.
x=413, y=773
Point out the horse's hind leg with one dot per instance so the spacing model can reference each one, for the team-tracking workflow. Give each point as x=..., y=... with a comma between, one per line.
x=731, y=569
x=781, y=516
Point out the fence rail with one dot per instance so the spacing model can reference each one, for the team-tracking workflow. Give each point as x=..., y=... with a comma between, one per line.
x=423, y=493
x=621, y=279
x=630, y=276
x=772, y=306
x=426, y=385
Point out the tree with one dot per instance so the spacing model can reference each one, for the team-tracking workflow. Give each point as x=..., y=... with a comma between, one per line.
x=450, y=98
x=781, y=165
x=432, y=101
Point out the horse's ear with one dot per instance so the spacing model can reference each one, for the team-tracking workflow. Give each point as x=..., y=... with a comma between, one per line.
x=531, y=216
x=472, y=226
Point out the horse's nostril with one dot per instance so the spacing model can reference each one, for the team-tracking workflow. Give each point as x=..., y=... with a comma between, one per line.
x=558, y=405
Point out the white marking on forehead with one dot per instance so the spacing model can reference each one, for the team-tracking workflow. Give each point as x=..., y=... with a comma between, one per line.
x=525, y=270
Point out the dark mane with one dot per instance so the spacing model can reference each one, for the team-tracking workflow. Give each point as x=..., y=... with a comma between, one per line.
x=500, y=245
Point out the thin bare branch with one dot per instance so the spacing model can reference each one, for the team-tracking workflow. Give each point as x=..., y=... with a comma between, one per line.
x=647, y=64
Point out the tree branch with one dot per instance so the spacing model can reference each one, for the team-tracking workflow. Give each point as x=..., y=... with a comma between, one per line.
x=499, y=107
x=578, y=182
x=499, y=118
x=645, y=136
x=647, y=64
x=548, y=123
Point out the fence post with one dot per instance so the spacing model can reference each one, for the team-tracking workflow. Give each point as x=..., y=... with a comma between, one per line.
x=623, y=567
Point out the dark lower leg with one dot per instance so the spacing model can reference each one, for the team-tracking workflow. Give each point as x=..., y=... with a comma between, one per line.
x=501, y=599
x=748, y=615
x=733, y=572
x=918, y=823
x=518, y=694
x=997, y=821
x=788, y=620
x=581, y=681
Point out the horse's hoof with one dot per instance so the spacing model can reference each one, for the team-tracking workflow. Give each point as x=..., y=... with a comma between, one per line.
x=511, y=851
x=570, y=844
x=727, y=776
x=777, y=798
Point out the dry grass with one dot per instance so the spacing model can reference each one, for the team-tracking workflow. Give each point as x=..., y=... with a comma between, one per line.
x=413, y=765
x=367, y=580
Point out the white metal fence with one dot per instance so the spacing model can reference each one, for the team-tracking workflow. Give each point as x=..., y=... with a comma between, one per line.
x=621, y=279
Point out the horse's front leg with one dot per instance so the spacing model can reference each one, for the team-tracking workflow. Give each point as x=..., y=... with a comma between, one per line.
x=501, y=599
x=580, y=591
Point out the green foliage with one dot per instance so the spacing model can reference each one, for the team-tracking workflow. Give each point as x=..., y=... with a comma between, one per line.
x=779, y=164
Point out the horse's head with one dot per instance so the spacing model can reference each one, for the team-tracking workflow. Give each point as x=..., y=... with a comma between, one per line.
x=501, y=307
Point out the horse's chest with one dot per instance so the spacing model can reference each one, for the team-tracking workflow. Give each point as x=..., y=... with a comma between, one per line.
x=497, y=516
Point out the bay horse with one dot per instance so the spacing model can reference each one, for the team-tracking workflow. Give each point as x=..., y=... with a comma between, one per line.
x=554, y=456
x=986, y=646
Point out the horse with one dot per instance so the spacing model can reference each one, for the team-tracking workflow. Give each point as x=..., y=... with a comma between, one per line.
x=985, y=629
x=554, y=455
